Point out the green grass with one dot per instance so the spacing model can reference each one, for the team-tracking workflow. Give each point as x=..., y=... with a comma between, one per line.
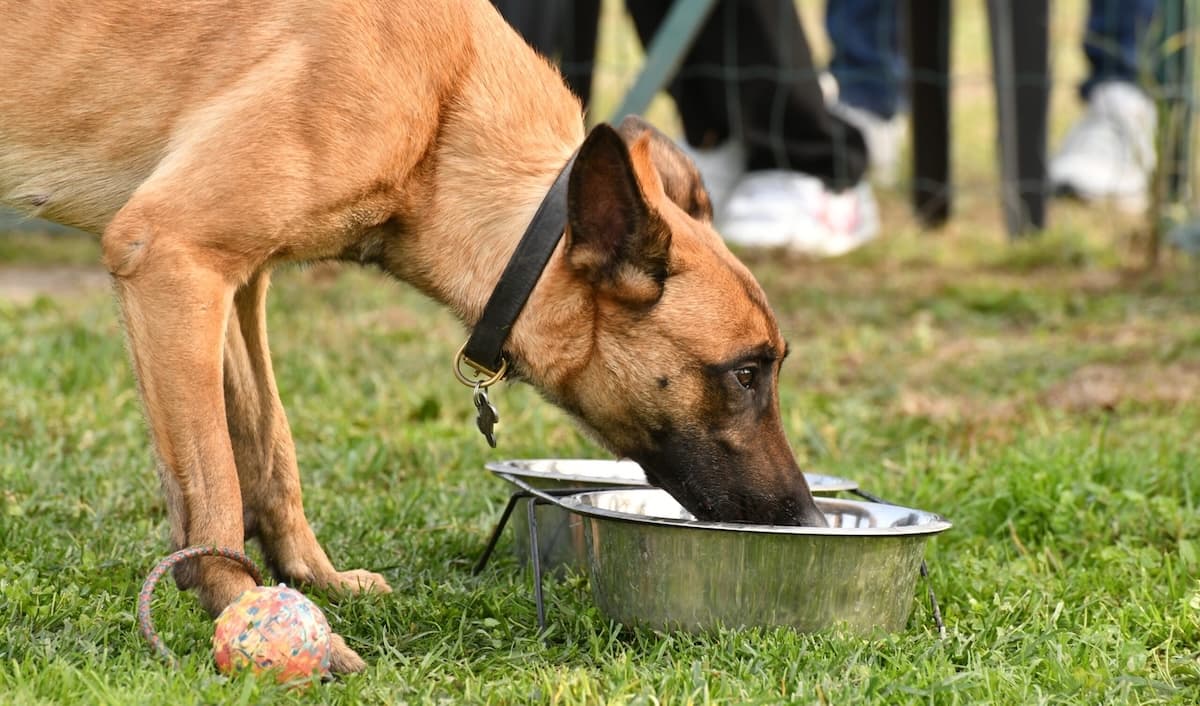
x=958, y=386
x=1043, y=396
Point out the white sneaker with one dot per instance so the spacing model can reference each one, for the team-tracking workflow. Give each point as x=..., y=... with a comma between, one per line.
x=791, y=210
x=1109, y=152
x=720, y=167
x=882, y=137
x=829, y=87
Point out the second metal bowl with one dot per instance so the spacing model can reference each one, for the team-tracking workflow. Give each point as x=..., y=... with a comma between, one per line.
x=560, y=534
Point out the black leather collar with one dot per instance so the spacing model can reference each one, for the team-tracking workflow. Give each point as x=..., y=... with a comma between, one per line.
x=484, y=350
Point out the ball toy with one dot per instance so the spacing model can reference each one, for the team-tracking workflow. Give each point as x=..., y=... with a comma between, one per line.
x=266, y=629
x=272, y=628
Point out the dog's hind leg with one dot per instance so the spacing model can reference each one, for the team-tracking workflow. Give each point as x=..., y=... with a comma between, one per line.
x=266, y=455
x=266, y=460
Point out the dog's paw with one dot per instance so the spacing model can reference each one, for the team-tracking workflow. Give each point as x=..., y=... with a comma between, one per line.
x=321, y=574
x=342, y=659
x=359, y=581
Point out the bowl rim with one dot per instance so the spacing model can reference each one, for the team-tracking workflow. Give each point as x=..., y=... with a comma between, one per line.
x=825, y=483
x=520, y=467
x=934, y=524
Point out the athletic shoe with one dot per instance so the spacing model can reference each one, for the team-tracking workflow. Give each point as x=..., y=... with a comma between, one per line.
x=882, y=136
x=1109, y=152
x=720, y=167
x=784, y=209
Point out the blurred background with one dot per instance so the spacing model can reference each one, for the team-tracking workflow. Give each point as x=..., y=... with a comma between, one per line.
x=977, y=166
x=1016, y=116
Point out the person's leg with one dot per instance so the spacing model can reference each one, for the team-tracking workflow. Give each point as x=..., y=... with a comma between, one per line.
x=578, y=56
x=749, y=82
x=784, y=119
x=750, y=75
x=1109, y=152
x=867, y=67
x=565, y=32
x=805, y=189
x=866, y=61
x=699, y=87
x=1114, y=41
x=702, y=99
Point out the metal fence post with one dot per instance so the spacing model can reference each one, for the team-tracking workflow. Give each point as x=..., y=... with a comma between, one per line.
x=665, y=53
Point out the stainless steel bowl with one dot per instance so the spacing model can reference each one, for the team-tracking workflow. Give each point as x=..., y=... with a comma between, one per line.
x=650, y=564
x=560, y=534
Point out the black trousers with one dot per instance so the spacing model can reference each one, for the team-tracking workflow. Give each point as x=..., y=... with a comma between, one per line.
x=749, y=75
x=562, y=30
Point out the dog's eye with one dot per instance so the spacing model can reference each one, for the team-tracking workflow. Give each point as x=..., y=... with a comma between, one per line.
x=745, y=377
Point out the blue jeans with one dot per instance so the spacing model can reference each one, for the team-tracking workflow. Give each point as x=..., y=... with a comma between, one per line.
x=866, y=56
x=1115, y=40
x=868, y=66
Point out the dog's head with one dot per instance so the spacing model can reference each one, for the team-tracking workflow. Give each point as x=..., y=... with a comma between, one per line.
x=682, y=369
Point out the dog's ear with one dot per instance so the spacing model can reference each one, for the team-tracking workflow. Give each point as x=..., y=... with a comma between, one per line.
x=680, y=179
x=615, y=239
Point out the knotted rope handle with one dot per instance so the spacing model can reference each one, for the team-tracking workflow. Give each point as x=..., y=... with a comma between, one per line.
x=147, y=592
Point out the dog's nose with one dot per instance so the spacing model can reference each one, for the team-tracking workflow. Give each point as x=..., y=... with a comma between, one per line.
x=811, y=516
x=800, y=509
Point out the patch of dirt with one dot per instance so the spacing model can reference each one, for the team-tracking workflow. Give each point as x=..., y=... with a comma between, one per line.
x=1091, y=388
x=1104, y=387
x=24, y=284
x=955, y=408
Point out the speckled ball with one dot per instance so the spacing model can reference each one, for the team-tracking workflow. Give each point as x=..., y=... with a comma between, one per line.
x=272, y=628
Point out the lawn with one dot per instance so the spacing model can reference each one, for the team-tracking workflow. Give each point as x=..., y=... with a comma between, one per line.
x=1044, y=396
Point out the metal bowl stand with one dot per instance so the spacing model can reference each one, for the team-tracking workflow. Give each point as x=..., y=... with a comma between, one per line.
x=536, y=496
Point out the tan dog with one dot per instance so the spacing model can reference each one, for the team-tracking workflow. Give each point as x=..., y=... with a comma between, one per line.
x=210, y=140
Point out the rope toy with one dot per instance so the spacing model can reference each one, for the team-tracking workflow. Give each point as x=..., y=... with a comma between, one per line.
x=266, y=628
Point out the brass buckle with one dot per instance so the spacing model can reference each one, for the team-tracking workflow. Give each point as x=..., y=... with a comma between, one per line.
x=491, y=377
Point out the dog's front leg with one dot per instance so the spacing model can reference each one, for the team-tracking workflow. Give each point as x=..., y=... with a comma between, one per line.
x=175, y=301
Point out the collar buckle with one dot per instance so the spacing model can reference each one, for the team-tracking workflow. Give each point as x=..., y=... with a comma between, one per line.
x=489, y=377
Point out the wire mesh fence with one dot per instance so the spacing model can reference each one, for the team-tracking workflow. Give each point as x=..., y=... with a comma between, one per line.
x=766, y=72
x=1020, y=81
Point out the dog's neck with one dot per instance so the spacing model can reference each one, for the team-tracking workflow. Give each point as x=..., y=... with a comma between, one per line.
x=460, y=261
x=494, y=165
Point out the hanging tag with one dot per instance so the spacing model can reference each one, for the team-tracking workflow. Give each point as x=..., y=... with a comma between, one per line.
x=486, y=416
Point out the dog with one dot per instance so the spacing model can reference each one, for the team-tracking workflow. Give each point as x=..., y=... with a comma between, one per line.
x=207, y=141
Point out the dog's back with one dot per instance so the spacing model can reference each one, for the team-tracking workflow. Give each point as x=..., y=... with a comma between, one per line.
x=323, y=98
